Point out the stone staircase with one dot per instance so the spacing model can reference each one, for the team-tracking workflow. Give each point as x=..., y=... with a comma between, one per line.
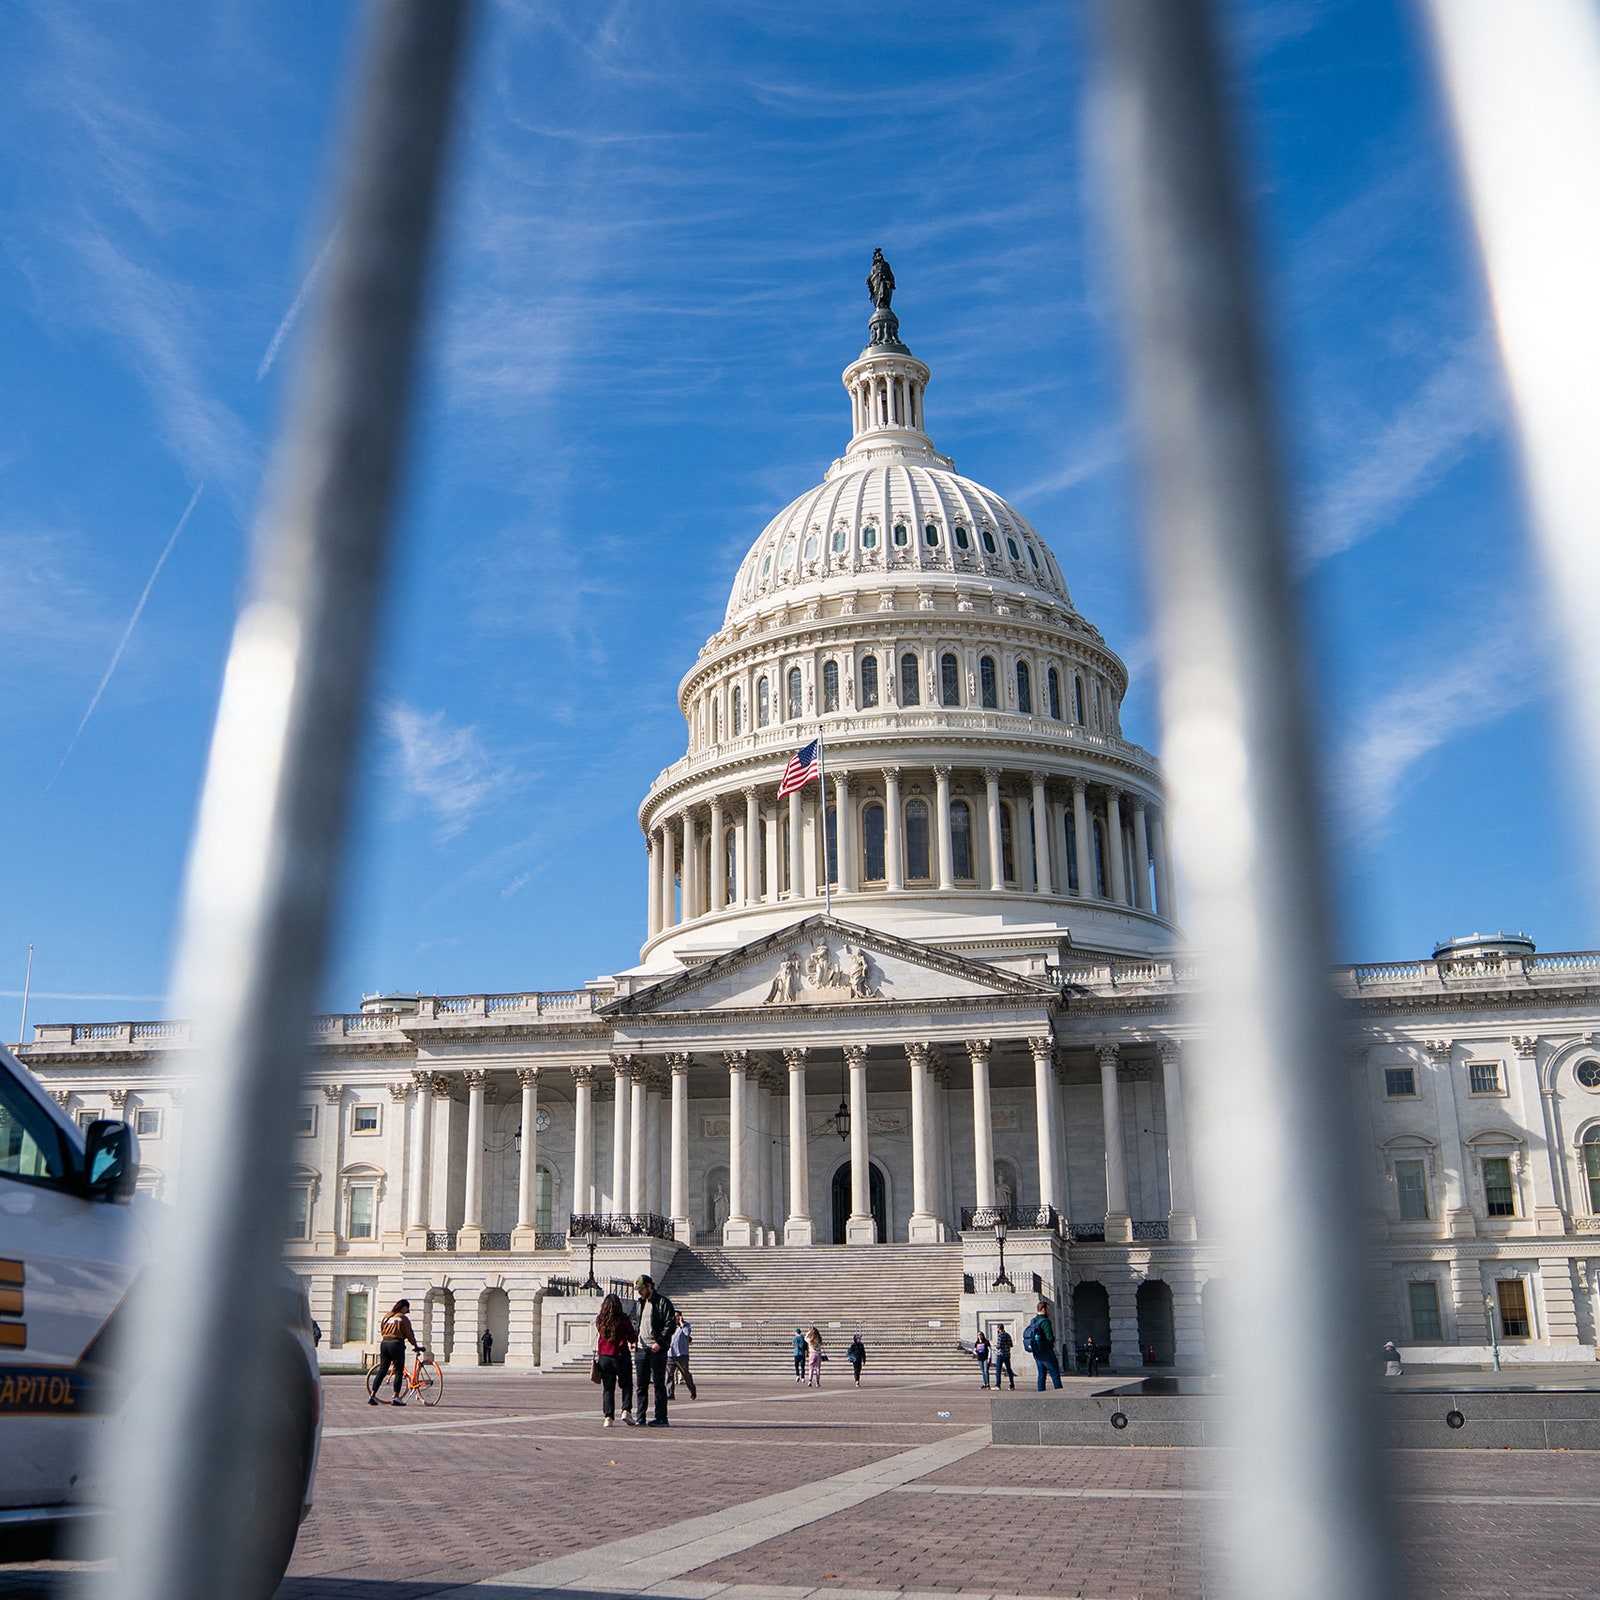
x=905, y=1300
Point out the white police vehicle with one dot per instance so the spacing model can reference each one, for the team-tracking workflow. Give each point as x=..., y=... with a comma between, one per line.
x=72, y=1244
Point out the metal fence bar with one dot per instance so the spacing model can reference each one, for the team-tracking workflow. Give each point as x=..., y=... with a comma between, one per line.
x=1310, y=1517
x=266, y=859
x=1524, y=89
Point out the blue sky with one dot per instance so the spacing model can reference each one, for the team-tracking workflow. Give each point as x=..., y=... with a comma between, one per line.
x=651, y=278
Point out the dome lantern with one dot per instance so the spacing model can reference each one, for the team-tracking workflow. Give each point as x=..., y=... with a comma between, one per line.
x=886, y=383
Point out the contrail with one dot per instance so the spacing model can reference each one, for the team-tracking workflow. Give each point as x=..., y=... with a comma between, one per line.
x=127, y=633
x=291, y=316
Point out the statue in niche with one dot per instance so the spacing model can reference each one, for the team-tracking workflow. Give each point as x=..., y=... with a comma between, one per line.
x=880, y=282
x=1005, y=1197
x=785, y=984
x=719, y=1205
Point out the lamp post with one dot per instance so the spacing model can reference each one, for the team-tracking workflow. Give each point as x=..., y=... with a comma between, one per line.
x=1494, y=1336
x=591, y=1238
x=1000, y=1239
x=841, y=1117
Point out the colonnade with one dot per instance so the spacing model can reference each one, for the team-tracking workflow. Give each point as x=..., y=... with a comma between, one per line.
x=1086, y=841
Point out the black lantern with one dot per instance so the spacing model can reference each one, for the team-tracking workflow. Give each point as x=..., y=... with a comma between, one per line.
x=841, y=1117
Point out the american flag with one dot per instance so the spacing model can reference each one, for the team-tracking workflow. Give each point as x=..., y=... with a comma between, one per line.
x=804, y=765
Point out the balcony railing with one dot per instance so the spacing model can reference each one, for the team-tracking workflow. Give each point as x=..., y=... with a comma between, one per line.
x=1041, y=1217
x=620, y=1225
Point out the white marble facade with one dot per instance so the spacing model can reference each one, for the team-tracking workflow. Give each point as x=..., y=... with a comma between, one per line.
x=968, y=936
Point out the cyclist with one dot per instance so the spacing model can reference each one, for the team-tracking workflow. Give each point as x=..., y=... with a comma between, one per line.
x=396, y=1334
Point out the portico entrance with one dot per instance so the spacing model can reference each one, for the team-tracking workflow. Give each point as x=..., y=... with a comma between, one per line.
x=841, y=1200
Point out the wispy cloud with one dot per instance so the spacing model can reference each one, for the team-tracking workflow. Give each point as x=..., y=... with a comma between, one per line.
x=296, y=306
x=444, y=768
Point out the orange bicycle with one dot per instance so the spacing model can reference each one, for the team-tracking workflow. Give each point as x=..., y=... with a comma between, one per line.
x=424, y=1378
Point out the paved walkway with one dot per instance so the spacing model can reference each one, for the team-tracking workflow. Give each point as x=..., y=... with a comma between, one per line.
x=762, y=1491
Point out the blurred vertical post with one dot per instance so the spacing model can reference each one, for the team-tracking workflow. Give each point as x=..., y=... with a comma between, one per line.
x=1523, y=84
x=265, y=864
x=1309, y=1516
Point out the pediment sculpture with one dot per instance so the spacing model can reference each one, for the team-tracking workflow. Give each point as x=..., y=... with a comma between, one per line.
x=818, y=976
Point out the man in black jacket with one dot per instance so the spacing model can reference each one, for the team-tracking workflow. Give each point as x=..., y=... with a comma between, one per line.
x=657, y=1318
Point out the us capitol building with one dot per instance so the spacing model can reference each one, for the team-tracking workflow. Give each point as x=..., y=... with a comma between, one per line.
x=987, y=1025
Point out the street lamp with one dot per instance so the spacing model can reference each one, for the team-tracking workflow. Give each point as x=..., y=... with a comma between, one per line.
x=591, y=1238
x=841, y=1117
x=1000, y=1239
x=1494, y=1336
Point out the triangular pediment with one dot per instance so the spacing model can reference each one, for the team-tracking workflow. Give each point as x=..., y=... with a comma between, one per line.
x=825, y=962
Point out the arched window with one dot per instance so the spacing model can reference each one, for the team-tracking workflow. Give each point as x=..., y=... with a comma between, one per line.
x=987, y=688
x=1100, y=859
x=1024, y=689
x=872, y=843
x=910, y=680
x=738, y=710
x=1008, y=869
x=1053, y=682
x=949, y=680
x=960, y=839
x=794, y=694
x=917, y=839
x=763, y=703
x=1077, y=700
x=869, y=681
x=1591, y=1167
x=830, y=685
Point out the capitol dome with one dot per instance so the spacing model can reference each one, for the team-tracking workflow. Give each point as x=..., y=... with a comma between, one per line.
x=980, y=794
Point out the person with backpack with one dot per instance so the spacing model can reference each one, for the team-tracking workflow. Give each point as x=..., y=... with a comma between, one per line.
x=678, y=1360
x=1002, y=1356
x=980, y=1353
x=799, y=1356
x=394, y=1334
x=1039, y=1340
x=856, y=1355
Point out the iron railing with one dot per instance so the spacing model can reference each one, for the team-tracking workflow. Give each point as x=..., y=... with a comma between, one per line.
x=620, y=1225
x=1037, y=1217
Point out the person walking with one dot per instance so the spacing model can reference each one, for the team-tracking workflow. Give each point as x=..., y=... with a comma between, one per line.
x=394, y=1334
x=678, y=1359
x=980, y=1353
x=856, y=1355
x=1091, y=1355
x=1039, y=1340
x=613, y=1335
x=657, y=1318
x=799, y=1356
x=814, y=1368
x=1002, y=1356
x=1392, y=1365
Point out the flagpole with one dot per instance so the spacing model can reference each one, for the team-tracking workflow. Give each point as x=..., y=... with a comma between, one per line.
x=822, y=812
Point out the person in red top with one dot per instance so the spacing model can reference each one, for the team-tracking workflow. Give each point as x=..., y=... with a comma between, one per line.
x=614, y=1330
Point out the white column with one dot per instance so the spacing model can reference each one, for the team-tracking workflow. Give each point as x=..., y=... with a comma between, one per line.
x=1083, y=839
x=652, y=1145
x=470, y=1236
x=846, y=833
x=1041, y=835
x=1119, y=1225
x=583, y=1138
x=774, y=857
x=924, y=1225
x=1141, y=857
x=637, y=1151
x=941, y=780
x=421, y=1128
x=525, y=1235
x=982, y=1124
x=738, y=1229
x=1180, y=1220
x=798, y=1227
x=861, y=1228
x=997, y=869
x=653, y=870
x=622, y=1071
x=719, y=858
x=1117, y=877
x=1044, y=1103
x=752, y=848
x=1166, y=905
x=691, y=888
x=797, y=846
x=764, y=1145
x=893, y=849
x=678, y=1186
x=669, y=910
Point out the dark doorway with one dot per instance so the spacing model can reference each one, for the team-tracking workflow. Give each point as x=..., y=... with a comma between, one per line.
x=841, y=1201
x=1157, y=1339
x=1091, y=1319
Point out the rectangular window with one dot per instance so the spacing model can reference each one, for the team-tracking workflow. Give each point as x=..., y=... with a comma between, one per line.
x=872, y=843
x=961, y=844
x=1484, y=1077
x=869, y=681
x=950, y=680
x=1399, y=1083
x=833, y=845
x=910, y=680
x=785, y=870
x=364, y=1119
x=917, y=854
x=305, y=1120
x=544, y=1201
x=1072, y=855
x=362, y=1206
x=1498, y=1195
x=1411, y=1178
x=147, y=1123
x=355, y=1317
x=830, y=686
x=1591, y=1168
x=1425, y=1324
x=1513, y=1301
x=297, y=1222
x=86, y=1117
